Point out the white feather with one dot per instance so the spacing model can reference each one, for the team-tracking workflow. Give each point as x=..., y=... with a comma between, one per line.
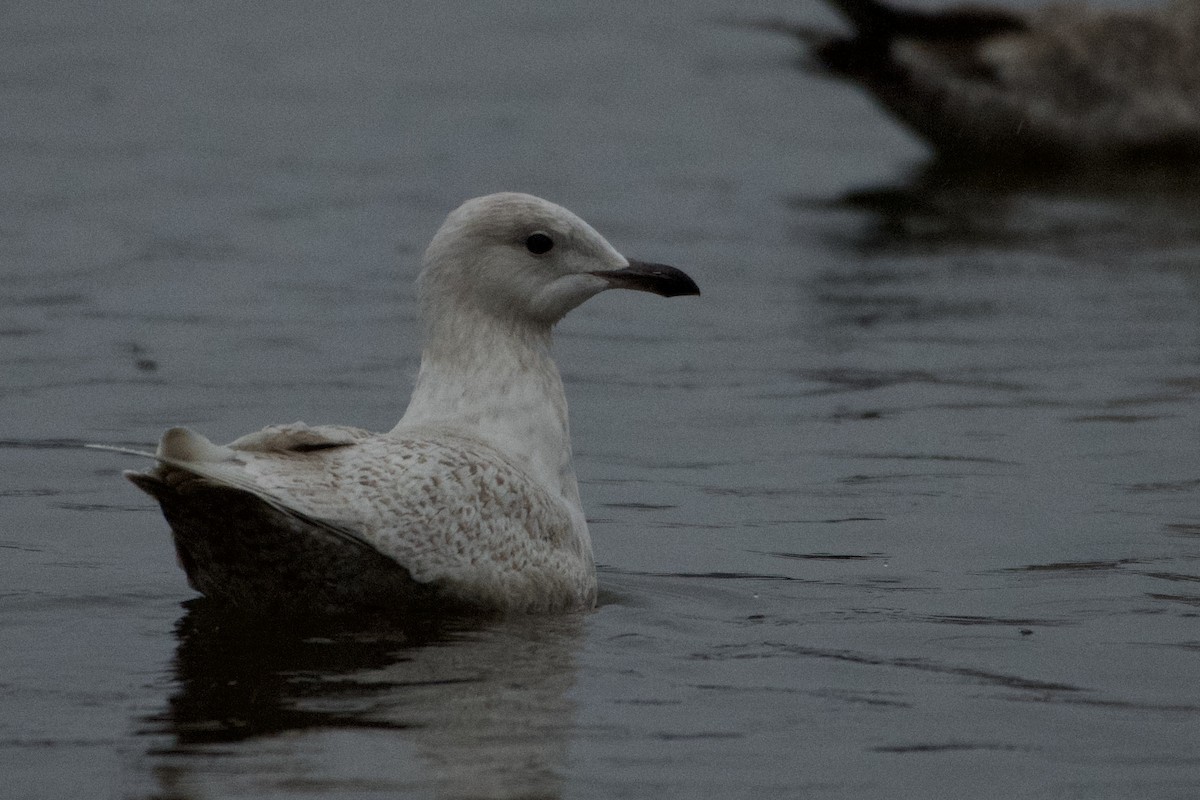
x=473, y=492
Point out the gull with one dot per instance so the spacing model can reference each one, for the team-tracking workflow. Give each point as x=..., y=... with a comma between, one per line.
x=1063, y=85
x=471, y=500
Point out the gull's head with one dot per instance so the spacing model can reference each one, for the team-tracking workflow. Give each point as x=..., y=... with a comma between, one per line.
x=521, y=257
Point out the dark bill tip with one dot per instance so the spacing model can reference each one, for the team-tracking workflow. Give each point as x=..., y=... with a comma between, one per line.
x=646, y=277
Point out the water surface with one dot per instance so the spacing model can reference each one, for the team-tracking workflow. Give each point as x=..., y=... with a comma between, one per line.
x=906, y=504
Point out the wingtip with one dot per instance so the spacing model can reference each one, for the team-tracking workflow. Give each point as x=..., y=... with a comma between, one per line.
x=184, y=444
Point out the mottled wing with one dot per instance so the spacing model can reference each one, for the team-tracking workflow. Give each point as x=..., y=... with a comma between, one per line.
x=448, y=508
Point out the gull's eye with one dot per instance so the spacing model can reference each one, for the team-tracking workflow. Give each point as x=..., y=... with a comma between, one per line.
x=539, y=243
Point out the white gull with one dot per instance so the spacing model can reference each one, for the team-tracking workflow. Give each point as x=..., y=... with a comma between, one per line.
x=1060, y=85
x=472, y=498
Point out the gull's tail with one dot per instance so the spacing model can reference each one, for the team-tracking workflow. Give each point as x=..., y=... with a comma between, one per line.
x=183, y=449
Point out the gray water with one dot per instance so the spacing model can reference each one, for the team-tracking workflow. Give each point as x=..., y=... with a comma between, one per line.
x=905, y=505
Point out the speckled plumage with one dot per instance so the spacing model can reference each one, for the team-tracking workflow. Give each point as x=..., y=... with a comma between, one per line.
x=460, y=518
x=471, y=500
x=1064, y=83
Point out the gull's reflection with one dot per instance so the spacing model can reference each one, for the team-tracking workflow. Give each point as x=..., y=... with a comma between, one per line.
x=994, y=205
x=974, y=253
x=479, y=702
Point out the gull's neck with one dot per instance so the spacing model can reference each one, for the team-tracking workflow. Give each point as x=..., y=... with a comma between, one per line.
x=493, y=378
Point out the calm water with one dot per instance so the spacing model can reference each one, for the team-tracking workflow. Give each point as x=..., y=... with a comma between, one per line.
x=906, y=505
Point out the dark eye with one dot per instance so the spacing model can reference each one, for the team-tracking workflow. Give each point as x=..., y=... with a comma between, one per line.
x=539, y=243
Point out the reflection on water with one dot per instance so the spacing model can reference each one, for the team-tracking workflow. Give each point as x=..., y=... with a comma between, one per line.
x=471, y=706
x=943, y=204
